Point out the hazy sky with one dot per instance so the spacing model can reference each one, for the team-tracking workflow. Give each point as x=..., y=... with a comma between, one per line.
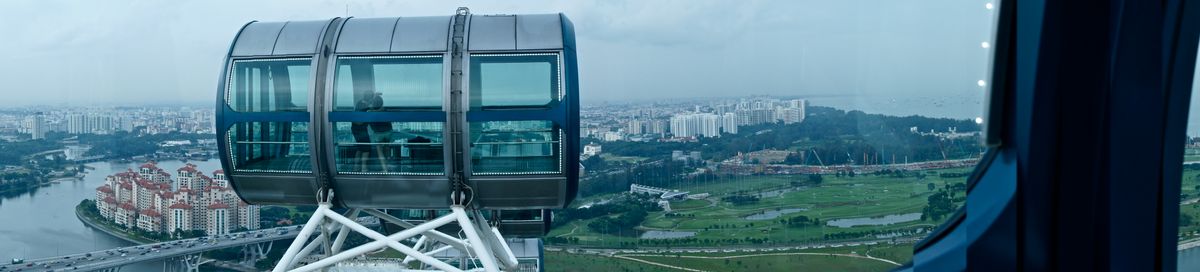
x=136, y=52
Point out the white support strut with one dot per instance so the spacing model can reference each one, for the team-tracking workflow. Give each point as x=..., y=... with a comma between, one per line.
x=482, y=242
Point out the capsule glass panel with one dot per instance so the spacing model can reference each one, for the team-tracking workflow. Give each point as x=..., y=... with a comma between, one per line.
x=388, y=83
x=515, y=148
x=270, y=147
x=521, y=215
x=515, y=80
x=397, y=148
x=269, y=85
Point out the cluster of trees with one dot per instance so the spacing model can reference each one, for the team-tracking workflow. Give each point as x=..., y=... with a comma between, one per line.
x=620, y=206
x=694, y=241
x=831, y=134
x=801, y=221
x=661, y=173
x=944, y=202
x=954, y=175
x=620, y=225
x=14, y=153
x=117, y=145
x=741, y=199
x=810, y=180
x=679, y=215
x=899, y=173
x=125, y=144
x=848, y=235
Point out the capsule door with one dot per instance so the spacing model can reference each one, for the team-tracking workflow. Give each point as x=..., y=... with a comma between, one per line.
x=387, y=126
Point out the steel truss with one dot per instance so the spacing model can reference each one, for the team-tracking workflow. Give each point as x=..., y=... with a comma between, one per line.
x=483, y=242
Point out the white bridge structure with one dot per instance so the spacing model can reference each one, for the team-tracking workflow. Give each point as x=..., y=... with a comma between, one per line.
x=660, y=192
x=178, y=255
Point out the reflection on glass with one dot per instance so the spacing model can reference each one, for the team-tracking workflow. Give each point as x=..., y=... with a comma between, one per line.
x=408, y=214
x=270, y=147
x=515, y=148
x=400, y=148
x=380, y=83
x=266, y=85
x=514, y=80
x=521, y=215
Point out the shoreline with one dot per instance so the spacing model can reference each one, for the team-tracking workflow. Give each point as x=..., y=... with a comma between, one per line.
x=98, y=226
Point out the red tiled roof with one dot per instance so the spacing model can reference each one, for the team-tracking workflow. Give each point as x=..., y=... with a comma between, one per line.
x=149, y=212
x=126, y=206
x=219, y=172
x=180, y=205
x=188, y=168
x=126, y=185
x=110, y=200
x=105, y=188
x=218, y=205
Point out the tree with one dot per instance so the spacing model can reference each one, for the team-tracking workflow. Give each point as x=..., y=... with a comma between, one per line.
x=815, y=179
x=1185, y=219
x=931, y=186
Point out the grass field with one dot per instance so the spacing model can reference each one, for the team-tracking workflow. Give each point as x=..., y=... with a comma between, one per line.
x=567, y=262
x=1190, y=181
x=824, y=259
x=835, y=198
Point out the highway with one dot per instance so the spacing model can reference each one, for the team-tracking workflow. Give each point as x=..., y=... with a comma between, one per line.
x=117, y=257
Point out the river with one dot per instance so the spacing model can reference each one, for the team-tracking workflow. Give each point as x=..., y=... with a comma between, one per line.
x=43, y=223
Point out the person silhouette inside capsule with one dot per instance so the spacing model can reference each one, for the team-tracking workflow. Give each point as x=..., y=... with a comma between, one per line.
x=362, y=138
x=381, y=133
x=421, y=153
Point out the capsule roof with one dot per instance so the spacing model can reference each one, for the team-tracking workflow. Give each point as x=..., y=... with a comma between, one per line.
x=408, y=35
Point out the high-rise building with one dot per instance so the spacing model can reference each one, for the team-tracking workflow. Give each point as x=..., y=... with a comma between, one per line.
x=36, y=126
x=635, y=127
x=696, y=124
x=219, y=219
x=76, y=124
x=729, y=123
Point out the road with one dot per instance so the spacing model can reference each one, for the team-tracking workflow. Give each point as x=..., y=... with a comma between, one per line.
x=117, y=257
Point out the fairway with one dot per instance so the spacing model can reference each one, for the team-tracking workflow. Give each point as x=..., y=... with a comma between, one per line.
x=853, y=258
x=865, y=197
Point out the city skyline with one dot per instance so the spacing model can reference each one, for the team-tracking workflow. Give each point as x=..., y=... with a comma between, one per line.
x=154, y=52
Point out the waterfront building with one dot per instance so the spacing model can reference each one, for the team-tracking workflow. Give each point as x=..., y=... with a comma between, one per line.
x=149, y=199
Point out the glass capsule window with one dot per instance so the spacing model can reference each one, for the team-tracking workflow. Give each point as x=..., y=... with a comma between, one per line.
x=521, y=215
x=515, y=148
x=515, y=80
x=269, y=85
x=398, y=148
x=270, y=147
x=388, y=83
